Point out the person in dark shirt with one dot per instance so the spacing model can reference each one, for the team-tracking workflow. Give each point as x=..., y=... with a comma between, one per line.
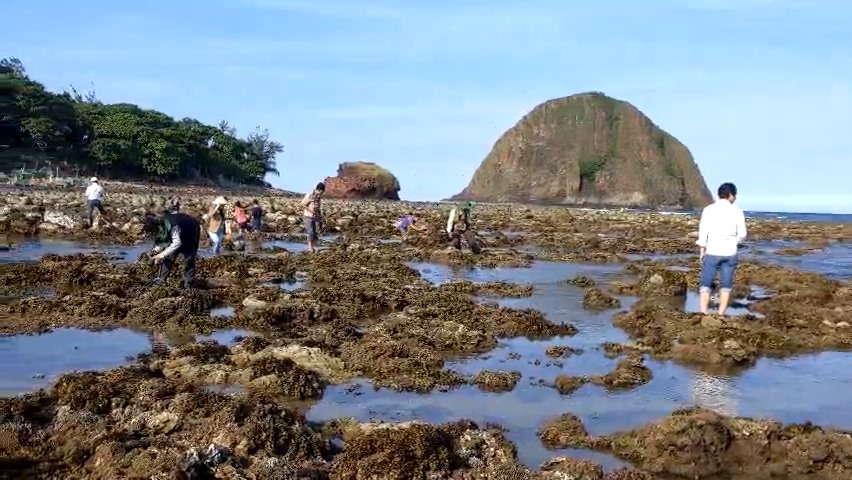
x=256, y=216
x=174, y=234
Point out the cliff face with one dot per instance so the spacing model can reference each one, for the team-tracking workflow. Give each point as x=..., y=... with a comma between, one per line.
x=362, y=180
x=588, y=149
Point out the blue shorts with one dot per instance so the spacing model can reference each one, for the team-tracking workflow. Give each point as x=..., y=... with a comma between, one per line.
x=724, y=265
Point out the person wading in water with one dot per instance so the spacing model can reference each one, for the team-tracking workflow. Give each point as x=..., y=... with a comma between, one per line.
x=313, y=215
x=216, y=223
x=720, y=231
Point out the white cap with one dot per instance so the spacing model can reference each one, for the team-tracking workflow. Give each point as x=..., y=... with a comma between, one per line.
x=93, y=179
x=220, y=201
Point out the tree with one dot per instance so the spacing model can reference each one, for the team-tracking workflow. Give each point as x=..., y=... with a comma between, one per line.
x=262, y=151
x=12, y=65
x=121, y=139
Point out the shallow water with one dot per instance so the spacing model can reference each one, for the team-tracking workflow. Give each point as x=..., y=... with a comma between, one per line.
x=833, y=261
x=807, y=388
x=31, y=250
x=294, y=246
x=31, y=362
x=820, y=381
x=540, y=273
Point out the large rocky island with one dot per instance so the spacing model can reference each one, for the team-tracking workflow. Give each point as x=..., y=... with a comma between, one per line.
x=588, y=149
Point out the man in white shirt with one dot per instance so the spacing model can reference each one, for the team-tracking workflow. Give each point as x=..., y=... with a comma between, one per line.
x=720, y=232
x=94, y=198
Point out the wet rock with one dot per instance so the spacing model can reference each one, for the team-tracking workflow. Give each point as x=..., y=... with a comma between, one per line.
x=74, y=429
x=260, y=372
x=696, y=443
x=614, y=350
x=596, y=299
x=496, y=381
x=59, y=219
x=489, y=289
x=203, y=352
x=629, y=372
x=200, y=463
x=566, y=384
x=712, y=322
x=395, y=452
x=564, y=431
x=284, y=377
x=662, y=283
x=254, y=303
x=164, y=422
x=794, y=320
x=581, y=281
x=573, y=468
x=561, y=351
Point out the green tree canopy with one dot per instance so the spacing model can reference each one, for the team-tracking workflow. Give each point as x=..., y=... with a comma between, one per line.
x=122, y=140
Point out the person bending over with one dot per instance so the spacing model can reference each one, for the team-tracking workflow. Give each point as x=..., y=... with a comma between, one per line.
x=174, y=234
x=406, y=224
x=720, y=231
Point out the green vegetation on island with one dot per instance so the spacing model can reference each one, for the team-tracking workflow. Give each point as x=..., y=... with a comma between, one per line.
x=78, y=133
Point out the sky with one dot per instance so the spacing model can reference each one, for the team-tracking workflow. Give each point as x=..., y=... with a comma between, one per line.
x=759, y=90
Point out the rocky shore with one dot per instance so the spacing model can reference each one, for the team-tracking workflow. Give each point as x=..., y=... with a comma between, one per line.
x=362, y=312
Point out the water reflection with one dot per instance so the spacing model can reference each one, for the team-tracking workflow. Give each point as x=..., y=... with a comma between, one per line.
x=31, y=362
x=806, y=388
x=31, y=250
x=713, y=392
x=539, y=272
x=300, y=246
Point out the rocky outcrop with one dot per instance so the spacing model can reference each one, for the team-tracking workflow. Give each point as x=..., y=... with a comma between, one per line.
x=362, y=180
x=588, y=149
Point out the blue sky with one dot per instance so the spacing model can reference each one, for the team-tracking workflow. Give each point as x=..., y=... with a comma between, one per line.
x=759, y=90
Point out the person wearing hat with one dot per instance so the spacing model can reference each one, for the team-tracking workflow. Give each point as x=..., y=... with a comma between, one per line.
x=216, y=223
x=174, y=234
x=94, y=199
